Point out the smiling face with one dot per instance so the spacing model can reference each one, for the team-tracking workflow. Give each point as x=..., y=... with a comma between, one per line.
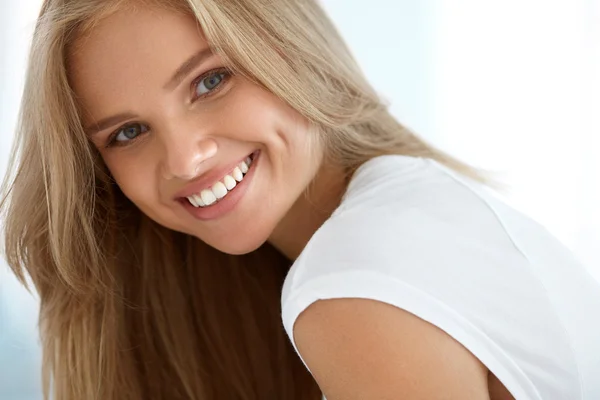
x=170, y=122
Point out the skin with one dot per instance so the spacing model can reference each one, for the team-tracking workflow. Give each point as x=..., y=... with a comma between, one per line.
x=356, y=348
x=364, y=349
x=122, y=66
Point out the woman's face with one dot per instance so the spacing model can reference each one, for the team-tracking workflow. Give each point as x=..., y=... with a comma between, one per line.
x=173, y=127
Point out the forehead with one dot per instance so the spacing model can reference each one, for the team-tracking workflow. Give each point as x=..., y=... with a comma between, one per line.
x=130, y=52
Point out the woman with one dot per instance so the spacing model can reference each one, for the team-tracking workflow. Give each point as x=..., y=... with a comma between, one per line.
x=190, y=172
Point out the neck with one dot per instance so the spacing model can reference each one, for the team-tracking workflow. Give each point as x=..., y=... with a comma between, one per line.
x=310, y=211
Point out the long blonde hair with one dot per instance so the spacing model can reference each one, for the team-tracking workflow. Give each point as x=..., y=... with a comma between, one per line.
x=130, y=309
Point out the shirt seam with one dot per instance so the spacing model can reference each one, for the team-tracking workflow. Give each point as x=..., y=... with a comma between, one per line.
x=524, y=255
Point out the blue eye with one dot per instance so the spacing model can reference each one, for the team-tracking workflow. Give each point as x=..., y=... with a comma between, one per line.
x=130, y=132
x=209, y=83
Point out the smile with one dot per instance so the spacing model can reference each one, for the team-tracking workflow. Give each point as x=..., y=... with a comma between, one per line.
x=220, y=189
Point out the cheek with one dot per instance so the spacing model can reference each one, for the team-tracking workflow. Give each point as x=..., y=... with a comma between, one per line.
x=135, y=179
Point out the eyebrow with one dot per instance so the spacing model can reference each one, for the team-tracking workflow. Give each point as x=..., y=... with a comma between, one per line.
x=108, y=122
x=188, y=66
x=184, y=70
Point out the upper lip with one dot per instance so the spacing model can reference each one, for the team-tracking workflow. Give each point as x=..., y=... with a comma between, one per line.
x=206, y=180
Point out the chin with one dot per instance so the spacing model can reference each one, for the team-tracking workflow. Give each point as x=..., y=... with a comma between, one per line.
x=236, y=246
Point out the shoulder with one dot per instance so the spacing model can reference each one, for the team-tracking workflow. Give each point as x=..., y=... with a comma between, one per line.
x=407, y=271
x=365, y=349
x=405, y=217
x=383, y=291
x=420, y=240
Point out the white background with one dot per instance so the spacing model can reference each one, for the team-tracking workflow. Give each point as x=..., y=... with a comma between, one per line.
x=512, y=86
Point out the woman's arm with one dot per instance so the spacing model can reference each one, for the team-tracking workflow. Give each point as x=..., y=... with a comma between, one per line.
x=360, y=349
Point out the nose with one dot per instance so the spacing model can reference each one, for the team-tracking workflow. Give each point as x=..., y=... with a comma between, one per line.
x=185, y=154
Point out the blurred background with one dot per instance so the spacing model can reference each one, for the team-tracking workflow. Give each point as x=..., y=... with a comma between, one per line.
x=512, y=86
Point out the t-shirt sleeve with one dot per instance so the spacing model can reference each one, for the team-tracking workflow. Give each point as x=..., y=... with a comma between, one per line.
x=422, y=264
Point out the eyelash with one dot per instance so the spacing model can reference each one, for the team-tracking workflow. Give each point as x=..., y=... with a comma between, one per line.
x=217, y=71
x=226, y=75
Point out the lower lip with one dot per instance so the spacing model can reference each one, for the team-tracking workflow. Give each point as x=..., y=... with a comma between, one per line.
x=228, y=202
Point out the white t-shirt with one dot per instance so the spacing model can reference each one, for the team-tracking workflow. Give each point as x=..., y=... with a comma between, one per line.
x=415, y=234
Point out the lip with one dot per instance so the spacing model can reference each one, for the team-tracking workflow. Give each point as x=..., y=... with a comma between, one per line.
x=229, y=202
x=205, y=182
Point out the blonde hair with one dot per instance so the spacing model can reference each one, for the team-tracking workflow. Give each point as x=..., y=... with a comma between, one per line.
x=130, y=309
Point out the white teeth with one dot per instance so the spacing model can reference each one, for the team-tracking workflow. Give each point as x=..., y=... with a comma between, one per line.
x=237, y=174
x=219, y=190
x=208, y=197
x=193, y=201
x=229, y=182
x=199, y=200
